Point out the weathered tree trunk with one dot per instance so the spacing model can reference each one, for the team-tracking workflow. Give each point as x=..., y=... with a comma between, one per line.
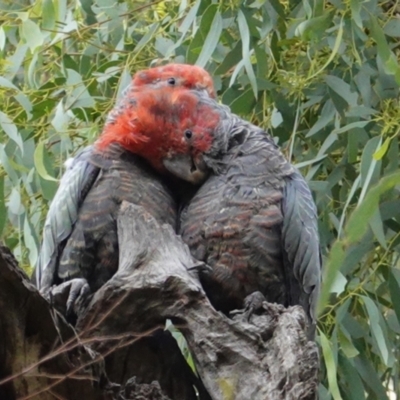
x=40, y=357
x=267, y=357
x=43, y=357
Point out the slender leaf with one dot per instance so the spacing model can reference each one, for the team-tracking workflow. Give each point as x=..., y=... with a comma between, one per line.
x=327, y=351
x=3, y=209
x=39, y=162
x=211, y=41
x=246, y=53
x=376, y=321
x=11, y=130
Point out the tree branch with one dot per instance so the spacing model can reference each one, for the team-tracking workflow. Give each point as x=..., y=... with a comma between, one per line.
x=266, y=358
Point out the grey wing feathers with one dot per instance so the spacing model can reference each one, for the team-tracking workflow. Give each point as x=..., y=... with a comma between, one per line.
x=62, y=215
x=301, y=244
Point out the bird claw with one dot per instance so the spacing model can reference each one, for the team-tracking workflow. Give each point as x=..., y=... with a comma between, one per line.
x=78, y=293
x=254, y=302
x=69, y=296
x=200, y=267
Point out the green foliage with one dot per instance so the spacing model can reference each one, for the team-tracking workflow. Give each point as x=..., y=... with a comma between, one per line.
x=322, y=76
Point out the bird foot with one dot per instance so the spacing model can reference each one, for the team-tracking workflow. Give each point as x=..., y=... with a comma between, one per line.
x=200, y=267
x=70, y=296
x=253, y=303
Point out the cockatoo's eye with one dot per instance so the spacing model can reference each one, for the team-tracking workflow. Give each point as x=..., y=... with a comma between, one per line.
x=188, y=134
x=171, y=81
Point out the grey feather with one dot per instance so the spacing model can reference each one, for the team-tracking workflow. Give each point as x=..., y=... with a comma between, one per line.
x=63, y=213
x=300, y=240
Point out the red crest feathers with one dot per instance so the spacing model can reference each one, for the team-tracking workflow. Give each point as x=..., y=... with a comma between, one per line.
x=153, y=124
x=176, y=75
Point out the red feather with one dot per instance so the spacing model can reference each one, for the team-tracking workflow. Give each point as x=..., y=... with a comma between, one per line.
x=153, y=125
x=188, y=76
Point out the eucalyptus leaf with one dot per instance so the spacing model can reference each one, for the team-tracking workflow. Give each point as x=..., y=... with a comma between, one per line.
x=376, y=322
x=3, y=39
x=196, y=44
x=330, y=367
x=11, y=130
x=246, y=53
x=394, y=286
x=3, y=209
x=39, y=162
x=211, y=41
x=30, y=242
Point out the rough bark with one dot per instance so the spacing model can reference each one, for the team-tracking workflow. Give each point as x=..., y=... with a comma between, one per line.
x=39, y=355
x=43, y=357
x=267, y=357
